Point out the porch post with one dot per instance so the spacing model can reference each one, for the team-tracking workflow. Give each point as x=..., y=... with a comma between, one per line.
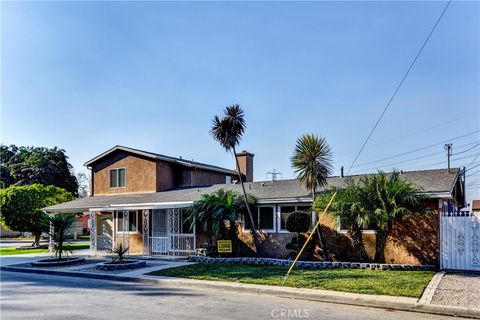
x=51, y=243
x=146, y=227
x=126, y=235
x=93, y=233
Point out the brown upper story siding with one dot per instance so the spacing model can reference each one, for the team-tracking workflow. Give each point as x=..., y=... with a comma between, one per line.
x=140, y=174
x=149, y=175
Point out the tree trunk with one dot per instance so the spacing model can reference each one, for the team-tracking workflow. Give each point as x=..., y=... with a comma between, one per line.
x=319, y=232
x=254, y=230
x=380, y=243
x=36, y=242
x=358, y=244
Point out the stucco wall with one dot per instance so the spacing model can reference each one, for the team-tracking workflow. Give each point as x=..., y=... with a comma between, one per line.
x=413, y=241
x=140, y=174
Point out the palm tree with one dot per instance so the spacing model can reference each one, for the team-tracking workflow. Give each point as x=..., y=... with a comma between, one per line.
x=228, y=131
x=312, y=162
x=349, y=211
x=392, y=198
x=214, y=210
x=60, y=223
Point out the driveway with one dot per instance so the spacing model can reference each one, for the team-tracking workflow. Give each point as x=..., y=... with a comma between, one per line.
x=34, y=296
x=458, y=289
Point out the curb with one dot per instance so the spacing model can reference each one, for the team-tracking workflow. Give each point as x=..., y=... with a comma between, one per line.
x=429, y=291
x=384, y=302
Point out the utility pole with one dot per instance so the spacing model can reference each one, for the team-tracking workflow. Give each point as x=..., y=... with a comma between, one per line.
x=448, y=147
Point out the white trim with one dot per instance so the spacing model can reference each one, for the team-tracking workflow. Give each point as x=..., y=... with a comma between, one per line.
x=118, y=178
x=274, y=201
x=366, y=231
x=136, y=222
x=279, y=214
x=274, y=213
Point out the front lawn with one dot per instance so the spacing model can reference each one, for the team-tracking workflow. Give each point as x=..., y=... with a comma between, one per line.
x=13, y=251
x=393, y=283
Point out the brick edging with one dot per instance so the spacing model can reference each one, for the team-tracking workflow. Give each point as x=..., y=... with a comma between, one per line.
x=313, y=264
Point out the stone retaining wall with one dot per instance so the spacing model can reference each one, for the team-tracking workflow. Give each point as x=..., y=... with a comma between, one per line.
x=313, y=264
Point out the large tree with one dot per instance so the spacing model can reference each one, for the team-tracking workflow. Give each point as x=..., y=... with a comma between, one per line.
x=312, y=162
x=21, y=207
x=390, y=197
x=22, y=166
x=228, y=131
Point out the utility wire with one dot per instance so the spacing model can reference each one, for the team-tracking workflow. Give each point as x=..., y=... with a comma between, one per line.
x=415, y=133
x=478, y=144
x=421, y=148
x=398, y=87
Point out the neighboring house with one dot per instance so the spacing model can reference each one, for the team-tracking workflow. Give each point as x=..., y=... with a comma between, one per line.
x=139, y=198
x=476, y=206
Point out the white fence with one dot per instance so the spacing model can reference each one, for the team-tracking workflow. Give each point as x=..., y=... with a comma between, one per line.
x=460, y=241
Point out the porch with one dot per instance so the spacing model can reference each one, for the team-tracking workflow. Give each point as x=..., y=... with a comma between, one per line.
x=151, y=232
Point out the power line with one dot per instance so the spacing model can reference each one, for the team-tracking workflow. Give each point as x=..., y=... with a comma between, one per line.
x=419, y=149
x=415, y=133
x=478, y=144
x=399, y=86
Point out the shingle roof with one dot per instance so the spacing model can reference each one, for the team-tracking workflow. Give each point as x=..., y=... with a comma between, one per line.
x=437, y=183
x=157, y=156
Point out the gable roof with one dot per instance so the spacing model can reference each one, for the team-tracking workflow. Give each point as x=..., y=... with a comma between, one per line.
x=157, y=156
x=436, y=183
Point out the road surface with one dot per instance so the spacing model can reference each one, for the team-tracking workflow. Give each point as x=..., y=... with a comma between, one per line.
x=33, y=296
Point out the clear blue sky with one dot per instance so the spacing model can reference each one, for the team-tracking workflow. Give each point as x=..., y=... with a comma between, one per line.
x=151, y=75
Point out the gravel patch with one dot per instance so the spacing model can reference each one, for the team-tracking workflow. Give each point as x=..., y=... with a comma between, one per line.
x=459, y=289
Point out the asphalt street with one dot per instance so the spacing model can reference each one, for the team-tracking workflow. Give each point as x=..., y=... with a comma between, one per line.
x=34, y=296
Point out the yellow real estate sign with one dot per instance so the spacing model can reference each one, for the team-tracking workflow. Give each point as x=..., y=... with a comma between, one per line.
x=224, y=246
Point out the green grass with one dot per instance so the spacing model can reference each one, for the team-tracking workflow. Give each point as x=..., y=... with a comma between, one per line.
x=13, y=251
x=393, y=283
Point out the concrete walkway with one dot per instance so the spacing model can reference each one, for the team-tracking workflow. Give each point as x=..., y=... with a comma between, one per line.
x=458, y=289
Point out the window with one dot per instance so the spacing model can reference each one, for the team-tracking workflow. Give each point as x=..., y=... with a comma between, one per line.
x=263, y=217
x=228, y=179
x=117, y=178
x=286, y=210
x=132, y=221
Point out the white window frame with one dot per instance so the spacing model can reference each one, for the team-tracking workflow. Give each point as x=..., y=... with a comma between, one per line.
x=118, y=179
x=279, y=214
x=274, y=214
x=117, y=218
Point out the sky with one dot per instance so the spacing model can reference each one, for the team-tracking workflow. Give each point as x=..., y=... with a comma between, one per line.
x=86, y=76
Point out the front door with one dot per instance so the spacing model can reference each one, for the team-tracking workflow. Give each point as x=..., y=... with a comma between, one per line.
x=105, y=231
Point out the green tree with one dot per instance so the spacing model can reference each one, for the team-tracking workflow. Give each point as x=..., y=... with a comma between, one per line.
x=391, y=198
x=22, y=166
x=228, y=131
x=217, y=210
x=350, y=210
x=61, y=224
x=312, y=162
x=21, y=207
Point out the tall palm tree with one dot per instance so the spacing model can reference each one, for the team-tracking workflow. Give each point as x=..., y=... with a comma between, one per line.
x=312, y=162
x=391, y=198
x=228, y=131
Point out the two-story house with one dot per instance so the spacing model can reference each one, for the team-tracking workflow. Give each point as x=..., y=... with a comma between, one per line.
x=139, y=198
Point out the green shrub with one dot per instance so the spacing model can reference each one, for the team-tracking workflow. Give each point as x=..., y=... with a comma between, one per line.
x=298, y=221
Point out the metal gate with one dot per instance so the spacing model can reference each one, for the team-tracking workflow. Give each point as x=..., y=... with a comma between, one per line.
x=460, y=240
x=168, y=238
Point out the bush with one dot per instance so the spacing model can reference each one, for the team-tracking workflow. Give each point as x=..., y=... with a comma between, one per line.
x=298, y=221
